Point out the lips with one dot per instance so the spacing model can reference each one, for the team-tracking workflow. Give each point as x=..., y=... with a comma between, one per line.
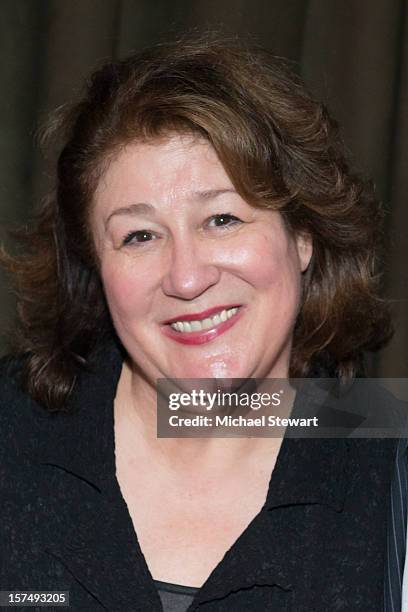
x=195, y=316
x=205, y=335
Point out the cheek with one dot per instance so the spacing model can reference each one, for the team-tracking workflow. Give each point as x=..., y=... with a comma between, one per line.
x=267, y=262
x=126, y=288
x=272, y=268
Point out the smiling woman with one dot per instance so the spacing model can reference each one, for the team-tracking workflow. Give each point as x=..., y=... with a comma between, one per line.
x=205, y=224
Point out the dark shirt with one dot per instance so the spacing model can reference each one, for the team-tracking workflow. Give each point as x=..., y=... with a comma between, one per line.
x=175, y=597
x=318, y=543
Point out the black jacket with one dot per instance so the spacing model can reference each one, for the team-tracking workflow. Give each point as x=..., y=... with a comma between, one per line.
x=317, y=544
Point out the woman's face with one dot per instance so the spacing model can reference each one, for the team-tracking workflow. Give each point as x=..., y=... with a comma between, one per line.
x=177, y=244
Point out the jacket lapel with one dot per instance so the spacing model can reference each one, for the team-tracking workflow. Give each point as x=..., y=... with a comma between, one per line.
x=94, y=540
x=307, y=473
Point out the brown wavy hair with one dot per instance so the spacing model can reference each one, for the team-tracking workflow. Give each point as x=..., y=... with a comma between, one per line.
x=281, y=150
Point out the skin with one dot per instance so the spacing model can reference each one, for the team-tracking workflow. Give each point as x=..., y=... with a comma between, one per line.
x=188, y=261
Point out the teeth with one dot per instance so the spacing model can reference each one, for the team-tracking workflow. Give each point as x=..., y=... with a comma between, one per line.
x=217, y=319
x=192, y=326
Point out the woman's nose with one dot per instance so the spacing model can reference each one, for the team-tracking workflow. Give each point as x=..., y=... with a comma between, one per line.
x=190, y=269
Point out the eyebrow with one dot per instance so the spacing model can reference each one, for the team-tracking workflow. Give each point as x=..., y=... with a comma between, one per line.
x=141, y=208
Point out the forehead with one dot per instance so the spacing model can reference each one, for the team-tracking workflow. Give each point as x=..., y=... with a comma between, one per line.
x=170, y=167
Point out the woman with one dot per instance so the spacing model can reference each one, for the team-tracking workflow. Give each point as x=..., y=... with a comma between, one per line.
x=205, y=224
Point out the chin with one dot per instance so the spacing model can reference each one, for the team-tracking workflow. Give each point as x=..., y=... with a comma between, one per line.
x=216, y=368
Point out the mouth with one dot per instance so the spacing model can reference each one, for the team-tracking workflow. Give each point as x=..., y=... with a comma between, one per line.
x=199, y=330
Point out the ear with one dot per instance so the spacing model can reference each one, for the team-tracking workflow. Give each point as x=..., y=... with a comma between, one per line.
x=304, y=246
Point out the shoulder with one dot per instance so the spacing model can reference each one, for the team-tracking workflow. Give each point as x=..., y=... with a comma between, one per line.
x=381, y=420
x=28, y=427
x=18, y=411
x=13, y=398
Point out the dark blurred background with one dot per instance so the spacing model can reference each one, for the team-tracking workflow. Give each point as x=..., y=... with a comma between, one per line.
x=352, y=54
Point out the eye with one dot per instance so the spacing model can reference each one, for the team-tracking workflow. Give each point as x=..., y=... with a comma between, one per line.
x=224, y=220
x=137, y=237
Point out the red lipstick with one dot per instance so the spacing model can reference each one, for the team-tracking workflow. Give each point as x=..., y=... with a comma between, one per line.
x=195, y=316
x=205, y=335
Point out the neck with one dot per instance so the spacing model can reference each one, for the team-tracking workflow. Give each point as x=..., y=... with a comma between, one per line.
x=135, y=413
